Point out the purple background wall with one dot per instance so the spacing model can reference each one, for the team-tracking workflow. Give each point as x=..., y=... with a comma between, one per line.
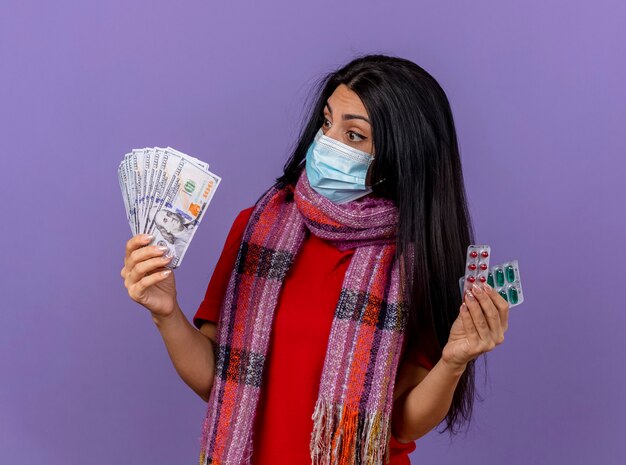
x=539, y=100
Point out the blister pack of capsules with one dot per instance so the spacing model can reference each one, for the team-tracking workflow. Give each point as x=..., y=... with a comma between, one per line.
x=476, y=266
x=504, y=278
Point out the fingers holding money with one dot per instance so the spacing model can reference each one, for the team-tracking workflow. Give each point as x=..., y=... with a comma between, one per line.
x=136, y=242
x=147, y=277
x=141, y=259
x=142, y=268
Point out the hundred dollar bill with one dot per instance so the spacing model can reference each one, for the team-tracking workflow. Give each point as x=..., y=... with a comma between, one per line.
x=200, y=163
x=134, y=166
x=123, y=180
x=166, y=193
x=128, y=179
x=184, y=193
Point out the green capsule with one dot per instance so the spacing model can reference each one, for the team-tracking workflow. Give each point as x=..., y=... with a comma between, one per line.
x=499, y=277
x=503, y=294
x=510, y=274
x=490, y=279
x=513, y=296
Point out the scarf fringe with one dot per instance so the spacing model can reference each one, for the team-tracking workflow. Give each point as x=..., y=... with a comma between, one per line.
x=354, y=438
x=203, y=442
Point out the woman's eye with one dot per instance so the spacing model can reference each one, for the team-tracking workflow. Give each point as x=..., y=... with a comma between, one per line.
x=326, y=121
x=358, y=136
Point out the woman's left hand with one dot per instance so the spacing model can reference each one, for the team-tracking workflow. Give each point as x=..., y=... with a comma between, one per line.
x=480, y=326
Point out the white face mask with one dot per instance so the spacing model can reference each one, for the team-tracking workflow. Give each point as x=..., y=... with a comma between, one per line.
x=336, y=170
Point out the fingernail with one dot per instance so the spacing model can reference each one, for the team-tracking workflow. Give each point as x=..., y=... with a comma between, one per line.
x=166, y=258
x=477, y=288
x=486, y=287
x=166, y=272
x=463, y=307
x=470, y=295
x=162, y=248
x=147, y=237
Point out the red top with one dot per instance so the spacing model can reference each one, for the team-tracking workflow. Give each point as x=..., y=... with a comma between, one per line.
x=297, y=346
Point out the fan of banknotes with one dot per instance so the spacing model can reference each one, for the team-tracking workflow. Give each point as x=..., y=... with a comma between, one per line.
x=166, y=194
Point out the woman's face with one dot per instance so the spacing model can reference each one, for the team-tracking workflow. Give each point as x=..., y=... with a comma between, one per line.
x=346, y=120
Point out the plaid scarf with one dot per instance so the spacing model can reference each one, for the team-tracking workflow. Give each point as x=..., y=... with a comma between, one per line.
x=353, y=411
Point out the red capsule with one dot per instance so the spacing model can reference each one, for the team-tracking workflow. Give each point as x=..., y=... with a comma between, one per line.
x=483, y=266
x=484, y=253
x=472, y=266
x=482, y=279
x=471, y=279
x=473, y=254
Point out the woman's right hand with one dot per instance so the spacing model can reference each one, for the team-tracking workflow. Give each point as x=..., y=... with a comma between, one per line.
x=147, y=280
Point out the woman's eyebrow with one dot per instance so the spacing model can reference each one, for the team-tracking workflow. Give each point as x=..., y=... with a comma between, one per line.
x=349, y=116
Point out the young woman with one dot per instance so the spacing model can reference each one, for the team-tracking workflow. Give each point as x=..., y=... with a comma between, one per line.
x=332, y=330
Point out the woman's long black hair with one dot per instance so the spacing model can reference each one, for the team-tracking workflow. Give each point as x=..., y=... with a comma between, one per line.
x=417, y=165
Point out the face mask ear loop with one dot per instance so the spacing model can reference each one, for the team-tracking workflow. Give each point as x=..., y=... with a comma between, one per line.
x=369, y=174
x=303, y=161
x=369, y=169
